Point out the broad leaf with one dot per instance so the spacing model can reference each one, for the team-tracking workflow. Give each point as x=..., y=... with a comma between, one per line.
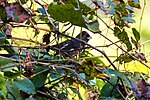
x=93, y=26
x=124, y=58
x=136, y=34
x=100, y=84
x=116, y=74
x=25, y=85
x=4, y=61
x=66, y=13
x=40, y=78
x=13, y=89
x=123, y=36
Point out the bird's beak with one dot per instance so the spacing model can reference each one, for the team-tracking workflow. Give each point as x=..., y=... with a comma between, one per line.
x=89, y=38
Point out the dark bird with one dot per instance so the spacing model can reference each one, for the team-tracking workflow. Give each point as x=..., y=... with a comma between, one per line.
x=72, y=47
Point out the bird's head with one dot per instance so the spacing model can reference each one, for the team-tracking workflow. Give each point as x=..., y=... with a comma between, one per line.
x=84, y=36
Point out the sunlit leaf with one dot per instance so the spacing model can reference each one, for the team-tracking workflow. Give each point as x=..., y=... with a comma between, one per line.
x=2, y=88
x=100, y=84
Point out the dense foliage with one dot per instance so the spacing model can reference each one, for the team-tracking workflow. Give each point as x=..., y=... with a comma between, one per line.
x=31, y=69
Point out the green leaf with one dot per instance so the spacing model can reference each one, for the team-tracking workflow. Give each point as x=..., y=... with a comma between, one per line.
x=2, y=35
x=25, y=85
x=123, y=36
x=106, y=90
x=134, y=41
x=3, y=91
x=116, y=74
x=93, y=26
x=3, y=15
x=136, y=34
x=40, y=77
x=10, y=50
x=77, y=92
x=4, y=61
x=66, y=13
x=100, y=84
x=13, y=89
x=4, y=41
x=12, y=75
x=124, y=58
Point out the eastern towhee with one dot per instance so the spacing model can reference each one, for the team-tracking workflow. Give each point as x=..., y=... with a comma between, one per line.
x=72, y=47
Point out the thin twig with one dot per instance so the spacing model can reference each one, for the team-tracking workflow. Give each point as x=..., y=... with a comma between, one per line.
x=28, y=47
x=29, y=40
x=119, y=46
x=46, y=14
x=79, y=40
x=142, y=16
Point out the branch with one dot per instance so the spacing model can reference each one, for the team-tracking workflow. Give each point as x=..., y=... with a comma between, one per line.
x=142, y=16
x=118, y=45
x=79, y=40
x=46, y=14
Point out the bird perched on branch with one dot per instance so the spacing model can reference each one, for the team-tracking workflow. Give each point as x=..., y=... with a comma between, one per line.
x=72, y=47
